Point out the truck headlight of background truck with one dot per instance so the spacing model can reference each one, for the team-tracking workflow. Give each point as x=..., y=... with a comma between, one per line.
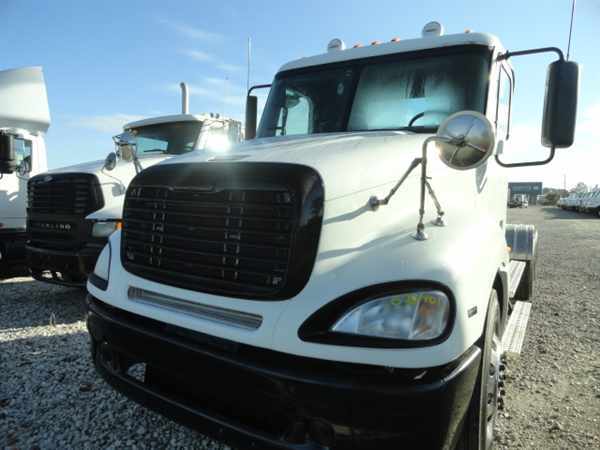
x=105, y=228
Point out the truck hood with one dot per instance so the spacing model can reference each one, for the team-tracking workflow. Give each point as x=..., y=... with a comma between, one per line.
x=347, y=162
x=123, y=172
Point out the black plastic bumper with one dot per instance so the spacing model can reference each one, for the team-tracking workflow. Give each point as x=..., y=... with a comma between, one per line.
x=66, y=267
x=262, y=399
x=13, y=261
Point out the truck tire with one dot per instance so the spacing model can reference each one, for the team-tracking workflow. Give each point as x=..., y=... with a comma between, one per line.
x=478, y=429
x=527, y=285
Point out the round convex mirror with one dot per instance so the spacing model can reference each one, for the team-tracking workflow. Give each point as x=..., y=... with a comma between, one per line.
x=466, y=140
x=111, y=161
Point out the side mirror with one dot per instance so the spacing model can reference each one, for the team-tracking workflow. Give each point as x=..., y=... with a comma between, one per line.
x=25, y=167
x=251, y=115
x=126, y=145
x=127, y=152
x=560, y=104
x=465, y=140
x=110, y=162
x=8, y=157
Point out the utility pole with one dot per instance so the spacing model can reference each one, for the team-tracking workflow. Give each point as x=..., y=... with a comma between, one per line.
x=249, y=56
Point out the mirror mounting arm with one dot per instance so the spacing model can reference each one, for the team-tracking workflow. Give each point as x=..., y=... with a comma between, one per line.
x=528, y=163
x=420, y=234
x=532, y=51
x=375, y=203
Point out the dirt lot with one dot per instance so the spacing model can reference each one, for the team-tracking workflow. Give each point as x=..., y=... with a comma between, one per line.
x=50, y=396
x=553, y=395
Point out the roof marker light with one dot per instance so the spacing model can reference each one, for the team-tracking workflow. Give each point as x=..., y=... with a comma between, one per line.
x=336, y=45
x=467, y=30
x=357, y=45
x=432, y=29
x=375, y=42
x=395, y=39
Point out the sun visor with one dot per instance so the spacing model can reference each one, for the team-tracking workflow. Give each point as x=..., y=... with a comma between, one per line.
x=23, y=99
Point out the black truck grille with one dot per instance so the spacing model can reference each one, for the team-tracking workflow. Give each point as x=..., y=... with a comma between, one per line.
x=74, y=194
x=57, y=205
x=245, y=230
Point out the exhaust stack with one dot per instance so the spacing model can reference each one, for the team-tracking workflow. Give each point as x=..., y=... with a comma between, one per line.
x=185, y=99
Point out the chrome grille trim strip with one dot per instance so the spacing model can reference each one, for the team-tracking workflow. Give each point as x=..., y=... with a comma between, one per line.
x=222, y=316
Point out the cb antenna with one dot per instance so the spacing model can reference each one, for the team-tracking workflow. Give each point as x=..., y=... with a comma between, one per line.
x=571, y=29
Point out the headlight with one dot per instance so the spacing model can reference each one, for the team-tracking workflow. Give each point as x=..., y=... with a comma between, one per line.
x=100, y=276
x=105, y=229
x=414, y=316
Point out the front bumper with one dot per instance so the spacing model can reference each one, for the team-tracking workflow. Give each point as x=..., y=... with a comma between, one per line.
x=12, y=253
x=66, y=267
x=262, y=399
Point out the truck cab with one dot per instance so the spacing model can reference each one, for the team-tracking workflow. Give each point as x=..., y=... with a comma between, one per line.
x=73, y=210
x=310, y=289
x=24, y=121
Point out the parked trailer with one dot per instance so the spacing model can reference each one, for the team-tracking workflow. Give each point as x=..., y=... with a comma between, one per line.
x=591, y=203
x=24, y=120
x=310, y=289
x=74, y=209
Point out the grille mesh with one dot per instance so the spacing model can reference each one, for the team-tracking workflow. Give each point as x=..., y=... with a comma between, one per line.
x=64, y=194
x=229, y=239
x=57, y=205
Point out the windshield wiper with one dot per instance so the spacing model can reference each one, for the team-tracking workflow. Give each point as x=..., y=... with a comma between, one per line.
x=155, y=150
x=415, y=129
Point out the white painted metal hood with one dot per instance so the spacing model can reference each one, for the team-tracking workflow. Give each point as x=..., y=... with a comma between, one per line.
x=347, y=162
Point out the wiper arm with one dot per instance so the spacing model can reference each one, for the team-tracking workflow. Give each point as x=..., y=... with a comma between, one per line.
x=415, y=129
x=155, y=150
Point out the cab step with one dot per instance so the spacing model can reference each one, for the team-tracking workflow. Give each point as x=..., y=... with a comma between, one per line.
x=514, y=334
x=516, y=270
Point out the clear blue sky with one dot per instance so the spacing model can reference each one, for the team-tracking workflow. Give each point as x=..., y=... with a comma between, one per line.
x=112, y=61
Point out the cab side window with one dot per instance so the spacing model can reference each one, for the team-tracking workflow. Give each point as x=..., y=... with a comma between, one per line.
x=23, y=153
x=503, y=105
x=296, y=116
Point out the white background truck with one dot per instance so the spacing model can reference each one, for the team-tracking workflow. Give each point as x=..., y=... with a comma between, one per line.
x=72, y=210
x=24, y=120
x=311, y=290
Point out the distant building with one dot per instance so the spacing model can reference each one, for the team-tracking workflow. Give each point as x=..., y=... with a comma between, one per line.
x=531, y=189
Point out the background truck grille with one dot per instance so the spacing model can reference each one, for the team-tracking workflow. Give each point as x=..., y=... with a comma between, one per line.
x=64, y=194
x=57, y=205
x=245, y=230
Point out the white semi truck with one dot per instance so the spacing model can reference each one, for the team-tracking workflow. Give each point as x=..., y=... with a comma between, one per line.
x=73, y=210
x=24, y=120
x=310, y=289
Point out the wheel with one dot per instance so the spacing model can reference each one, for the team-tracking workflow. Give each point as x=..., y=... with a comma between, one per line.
x=478, y=430
x=598, y=212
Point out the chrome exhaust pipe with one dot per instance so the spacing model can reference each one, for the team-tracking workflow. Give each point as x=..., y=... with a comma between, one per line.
x=185, y=99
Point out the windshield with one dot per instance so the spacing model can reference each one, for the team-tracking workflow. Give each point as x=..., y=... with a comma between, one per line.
x=395, y=92
x=172, y=138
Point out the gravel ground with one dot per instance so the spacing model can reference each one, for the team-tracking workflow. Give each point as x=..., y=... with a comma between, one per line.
x=50, y=396
x=553, y=390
